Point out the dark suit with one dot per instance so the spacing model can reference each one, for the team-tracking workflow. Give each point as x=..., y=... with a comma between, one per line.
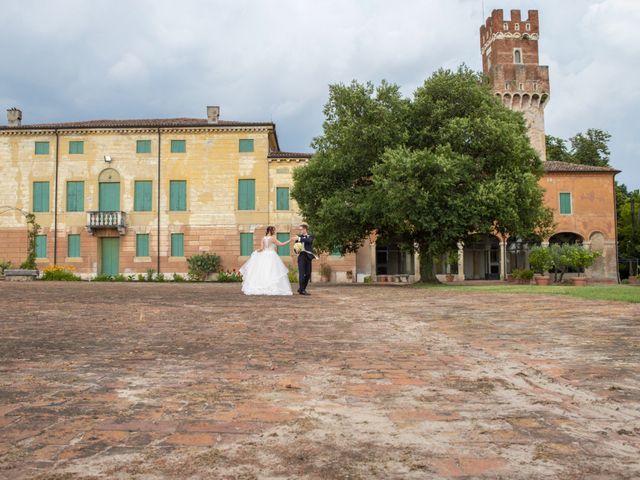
x=304, y=261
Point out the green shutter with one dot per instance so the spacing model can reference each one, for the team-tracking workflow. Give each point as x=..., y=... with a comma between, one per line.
x=246, y=244
x=142, y=197
x=42, y=148
x=565, y=203
x=178, y=195
x=283, y=251
x=40, y=196
x=282, y=198
x=108, y=197
x=143, y=146
x=76, y=147
x=41, y=246
x=246, y=145
x=246, y=194
x=142, y=245
x=73, y=246
x=177, y=245
x=75, y=196
x=178, y=146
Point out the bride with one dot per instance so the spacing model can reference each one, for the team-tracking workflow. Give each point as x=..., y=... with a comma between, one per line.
x=265, y=273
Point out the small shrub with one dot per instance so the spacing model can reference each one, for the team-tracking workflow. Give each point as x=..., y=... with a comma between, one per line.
x=150, y=273
x=4, y=265
x=625, y=281
x=131, y=278
x=325, y=271
x=141, y=278
x=160, y=277
x=367, y=279
x=229, y=276
x=293, y=274
x=522, y=275
x=119, y=278
x=178, y=278
x=540, y=260
x=103, y=278
x=60, y=273
x=201, y=265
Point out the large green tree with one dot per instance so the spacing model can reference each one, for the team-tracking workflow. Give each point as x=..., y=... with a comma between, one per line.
x=424, y=172
x=587, y=148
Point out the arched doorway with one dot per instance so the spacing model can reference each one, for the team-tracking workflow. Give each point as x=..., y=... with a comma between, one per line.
x=566, y=237
x=517, y=254
x=482, y=258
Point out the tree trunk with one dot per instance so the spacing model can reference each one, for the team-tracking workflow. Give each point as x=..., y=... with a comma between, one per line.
x=427, y=267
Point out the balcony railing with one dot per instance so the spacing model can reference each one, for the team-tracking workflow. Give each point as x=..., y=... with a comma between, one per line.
x=103, y=220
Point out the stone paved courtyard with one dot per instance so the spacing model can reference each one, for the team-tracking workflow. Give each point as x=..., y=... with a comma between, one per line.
x=197, y=381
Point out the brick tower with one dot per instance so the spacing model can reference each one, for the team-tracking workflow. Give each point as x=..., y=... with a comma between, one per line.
x=510, y=59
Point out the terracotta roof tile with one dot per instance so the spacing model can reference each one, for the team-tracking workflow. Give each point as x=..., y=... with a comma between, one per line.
x=552, y=166
x=138, y=123
x=290, y=155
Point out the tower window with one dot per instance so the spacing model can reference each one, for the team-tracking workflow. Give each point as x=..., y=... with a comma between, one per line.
x=522, y=86
x=528, y=27
x=505, y=26
x=506, y=85
x=517, y=55
x=535, y=86
x=517, y=27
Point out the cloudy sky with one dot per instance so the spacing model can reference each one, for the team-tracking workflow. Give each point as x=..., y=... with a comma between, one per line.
x=273, y=59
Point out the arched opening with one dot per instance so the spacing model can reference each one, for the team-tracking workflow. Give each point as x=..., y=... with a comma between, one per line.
x=566, y=237
x=518, y=254
x=482, y=258
x=392, y=260
x=517, y=56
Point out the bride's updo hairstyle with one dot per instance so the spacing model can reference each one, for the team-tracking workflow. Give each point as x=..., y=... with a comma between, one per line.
x=271, y=230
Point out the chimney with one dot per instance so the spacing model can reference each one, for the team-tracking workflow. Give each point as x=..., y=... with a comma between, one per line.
x=14, y=117
x=213, y=114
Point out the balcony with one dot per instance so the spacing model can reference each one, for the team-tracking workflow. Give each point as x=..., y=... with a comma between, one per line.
x=106, y=220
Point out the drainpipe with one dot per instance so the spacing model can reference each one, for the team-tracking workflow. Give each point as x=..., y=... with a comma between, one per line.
x=55, y=206
x=158, y=203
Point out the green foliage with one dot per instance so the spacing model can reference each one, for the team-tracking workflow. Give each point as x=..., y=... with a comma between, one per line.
x=119, y=278
x=628, y=204
x=102, y=278
x=58, y=273
x=588, y=148
x=160, y=277
x=540, y=259
x=229, y=276
x=293, y=274
x=421, y=172
x=201, y=265
x=141, y=277
x=559, y=254
x=178, y=278
x=368, y=279
x=4, y=265
x=524, y=275
x=580, y=258
x=150, y=273
x=453, y=258
x=325, y=271
x=131, y=278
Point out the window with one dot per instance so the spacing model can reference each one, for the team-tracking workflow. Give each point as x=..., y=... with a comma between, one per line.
x=283, y=251
x=40, y=196
x=522, y=86
x=42, y=148
x=246, y=244
x=142, y=245
x=246, y=194
x=528, y=27
x=142, y=196
x=246, y=145
x=178, y=146
x=75, y=196
x=143, y=146
x=178, y=195
x=282, y=198
x=41, y=246
x=517, y=27
x=517, y=56
x=505, y=26
x=336, y=252
x=565, y=203
x=73, y=246
x=76, y=148
x=489, y=57
x=177, y=244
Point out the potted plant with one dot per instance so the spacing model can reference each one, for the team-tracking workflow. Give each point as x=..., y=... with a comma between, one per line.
x=325, y=272
x=580, y=259
x=452, y=261
x=540, y=261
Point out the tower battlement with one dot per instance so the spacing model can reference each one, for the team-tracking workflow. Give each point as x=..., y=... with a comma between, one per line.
x=497, y=25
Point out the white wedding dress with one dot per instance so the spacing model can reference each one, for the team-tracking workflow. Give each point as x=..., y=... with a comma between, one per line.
x=265, y=273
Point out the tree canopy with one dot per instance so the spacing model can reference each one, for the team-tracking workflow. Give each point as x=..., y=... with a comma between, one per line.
x=588, y=148
x=424, y=172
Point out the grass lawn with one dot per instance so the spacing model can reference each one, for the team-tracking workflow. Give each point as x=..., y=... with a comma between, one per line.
x=621, y=293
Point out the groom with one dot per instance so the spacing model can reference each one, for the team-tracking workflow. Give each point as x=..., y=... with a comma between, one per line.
x=305, y=258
